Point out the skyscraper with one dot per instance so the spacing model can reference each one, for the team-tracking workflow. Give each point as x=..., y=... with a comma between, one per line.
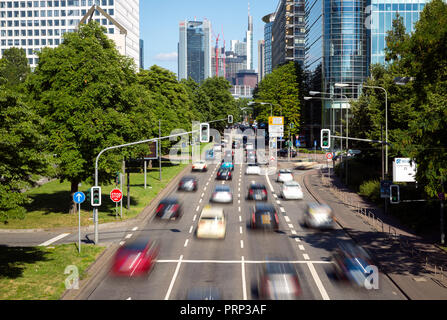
x=268, y=19
x=194, y=50
x=249, y=40
x=141, y=54
x=288, y=33
x=261, y=60
x=33, y=25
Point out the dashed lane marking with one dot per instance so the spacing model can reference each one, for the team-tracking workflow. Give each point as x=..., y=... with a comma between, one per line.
x=186, y=243
x=287, y=219
x=301, y=247
x=190, y=229
x=129, y=236
x=306, y=256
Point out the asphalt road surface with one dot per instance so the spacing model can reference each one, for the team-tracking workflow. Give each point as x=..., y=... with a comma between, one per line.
x=231, y=265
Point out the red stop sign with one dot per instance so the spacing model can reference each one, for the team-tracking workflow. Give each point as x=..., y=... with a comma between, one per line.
x=116, y=195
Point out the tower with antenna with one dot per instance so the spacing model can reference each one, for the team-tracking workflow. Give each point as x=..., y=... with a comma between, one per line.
x=249, y=39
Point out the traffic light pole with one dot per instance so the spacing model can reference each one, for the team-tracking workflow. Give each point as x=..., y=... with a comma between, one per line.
x=95, y=209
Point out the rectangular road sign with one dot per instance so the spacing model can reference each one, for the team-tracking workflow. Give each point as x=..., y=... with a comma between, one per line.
x=153, y=151
x=276, y=121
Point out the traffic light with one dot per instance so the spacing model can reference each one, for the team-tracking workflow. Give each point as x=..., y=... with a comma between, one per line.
x=325, y=139
x=230, y=119
x=96, y=196
x=88, y=196
x=395, y=194
x=205, y=133
x=118, y=178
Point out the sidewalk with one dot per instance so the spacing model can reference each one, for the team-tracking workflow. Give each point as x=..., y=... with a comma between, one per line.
x=412, y=263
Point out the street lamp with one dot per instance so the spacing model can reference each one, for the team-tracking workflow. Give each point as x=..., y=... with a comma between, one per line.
x=345, y=85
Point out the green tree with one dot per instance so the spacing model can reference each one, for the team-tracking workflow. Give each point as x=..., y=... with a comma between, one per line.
x=284, y=88
x=14, y=67
x=21, y=143
x=80, y=91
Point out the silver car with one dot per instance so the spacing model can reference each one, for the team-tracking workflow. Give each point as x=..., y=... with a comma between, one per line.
x=222, y=194
x=319, y=216
x=284, y=175
x=291, y=190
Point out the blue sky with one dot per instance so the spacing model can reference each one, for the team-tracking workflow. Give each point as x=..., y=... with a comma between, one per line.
x=159, y=20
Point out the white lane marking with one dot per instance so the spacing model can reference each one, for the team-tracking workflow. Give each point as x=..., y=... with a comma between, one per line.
x=297, y=239
x=282, y=210
x=291, y=226
x=135, y=229
x=278, y=202
x=239, y=201
x=122, y=243
x=240, y=209
x=287, y=219
x=204, y=189
x=200, y=200
x=240, y=218
x=130, y=298
x=186, y=243
x=276, y=197
x=301, y=247
x=173, y=278
x=198, y=208
x=239, y=261
x=53, y=240
x=244, y=285
x=269, y=183
x=293, y=232
x=203, y=194
x=129, y=236
x=194, y=219
x=242, y=244
x=240, y=230
x=190, y=229
x=306, y=256
x=318, y=281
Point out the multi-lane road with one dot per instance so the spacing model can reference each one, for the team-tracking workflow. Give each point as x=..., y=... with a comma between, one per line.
x=232, y=265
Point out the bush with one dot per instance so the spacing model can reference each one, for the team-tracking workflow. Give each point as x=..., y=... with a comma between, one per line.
x=371, y=190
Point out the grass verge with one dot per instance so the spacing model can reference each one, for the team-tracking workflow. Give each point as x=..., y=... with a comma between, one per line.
x=37, y=273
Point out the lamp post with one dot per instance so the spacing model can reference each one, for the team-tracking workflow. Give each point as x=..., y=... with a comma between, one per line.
x=345, y=85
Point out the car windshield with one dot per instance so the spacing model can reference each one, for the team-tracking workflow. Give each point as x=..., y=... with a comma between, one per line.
x=138, y=245
x=257, y=187
x=222, y=189
x=292, y=184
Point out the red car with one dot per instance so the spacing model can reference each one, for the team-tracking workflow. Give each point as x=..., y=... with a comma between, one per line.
x=136, y=258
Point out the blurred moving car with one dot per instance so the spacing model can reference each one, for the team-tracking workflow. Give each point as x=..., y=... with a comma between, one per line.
x=204, y=293
x=224, y=174
x=351, y=263
x=212, y=223
x=253, y=169
x=135, y=258
x=319, y=216
x=222, y=194
x=257, y=191
x=264, y=217
x=209, y=155
x=305, y=164
x=169, y=209
x=285, y=153
x=249, y=146
x=227, y=165
x=278, y=281
x=217, y=147
x=251, y=156
x=284, y=175
x=188, y=184
x=199, y=166
x=291, y=190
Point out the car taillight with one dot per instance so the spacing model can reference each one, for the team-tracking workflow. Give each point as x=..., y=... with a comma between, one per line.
x=253, y=218
x=218, y=174
x=159, y=208
x=251, y=192
x=214, y=194
x=175, y=208
x=264, y=191
x=297, y=286
x=276, y=218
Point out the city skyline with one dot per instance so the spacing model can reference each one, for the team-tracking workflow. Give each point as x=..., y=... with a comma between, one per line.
x=229, y=21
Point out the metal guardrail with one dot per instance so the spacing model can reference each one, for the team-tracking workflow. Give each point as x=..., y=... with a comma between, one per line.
x=439, y=272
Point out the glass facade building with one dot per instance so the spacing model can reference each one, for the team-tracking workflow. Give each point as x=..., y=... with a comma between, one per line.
x=383, y=12
x=33, y=25
x=268, y=43
x=194, y=58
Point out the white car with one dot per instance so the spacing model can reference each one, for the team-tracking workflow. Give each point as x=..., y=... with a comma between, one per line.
x=291, y=190
x=249, y=146
x=253, y=169
x=199, y=166
x=212, y=224
x=222, y=194
x=284, y=175
x=319, y=216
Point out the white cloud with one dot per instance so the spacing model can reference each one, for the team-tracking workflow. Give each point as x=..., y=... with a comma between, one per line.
x=166, y=56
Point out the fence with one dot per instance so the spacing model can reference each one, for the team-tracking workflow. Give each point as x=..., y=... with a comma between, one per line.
x=439, y=272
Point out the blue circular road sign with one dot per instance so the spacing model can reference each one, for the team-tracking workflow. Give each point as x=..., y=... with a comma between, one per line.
x=79, y=197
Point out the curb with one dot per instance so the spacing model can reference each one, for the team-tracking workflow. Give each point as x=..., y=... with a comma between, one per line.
x=98, y=269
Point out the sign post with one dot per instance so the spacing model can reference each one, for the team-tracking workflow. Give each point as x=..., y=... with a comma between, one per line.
x=79, y=197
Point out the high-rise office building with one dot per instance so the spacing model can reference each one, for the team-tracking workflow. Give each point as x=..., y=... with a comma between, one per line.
x=141, y=54
x=288, y=33
x=261, y=60
x=194, y=50
x=268, y=20
x=249, y=40
x=383, y=12
x=33, y=25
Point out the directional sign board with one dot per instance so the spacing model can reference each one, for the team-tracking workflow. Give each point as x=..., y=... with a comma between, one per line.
x=116, y=195
x=153, y=151
x=276, y=121
x=79, y=197
x=404, y=170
